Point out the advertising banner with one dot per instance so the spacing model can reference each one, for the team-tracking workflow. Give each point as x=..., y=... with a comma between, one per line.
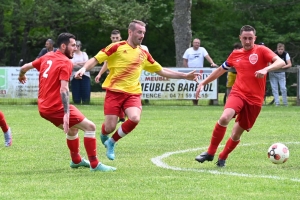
x=10, y=87
x=153, y=85
x=157, y=87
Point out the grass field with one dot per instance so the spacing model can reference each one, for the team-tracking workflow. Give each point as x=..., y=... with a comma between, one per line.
x=155, y=161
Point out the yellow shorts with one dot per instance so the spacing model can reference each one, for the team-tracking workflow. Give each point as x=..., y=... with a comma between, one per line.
x=230, y=79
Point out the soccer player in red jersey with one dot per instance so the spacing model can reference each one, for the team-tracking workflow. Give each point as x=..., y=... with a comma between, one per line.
x=55, y=69
x=6, y=130
x=127, y=59
x=247, y=95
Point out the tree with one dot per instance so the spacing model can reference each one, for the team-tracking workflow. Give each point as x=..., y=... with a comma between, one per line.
x=182, y=28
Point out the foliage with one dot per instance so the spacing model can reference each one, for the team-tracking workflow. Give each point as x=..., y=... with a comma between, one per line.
x=26, y=24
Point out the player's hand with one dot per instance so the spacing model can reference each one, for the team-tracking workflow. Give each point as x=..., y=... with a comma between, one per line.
x=214, y=65
x=192, y=76
x=199, y=89
x=97, y=78
x=260, y=73
x=66, y=122
x=79, y=73
x=22, y=79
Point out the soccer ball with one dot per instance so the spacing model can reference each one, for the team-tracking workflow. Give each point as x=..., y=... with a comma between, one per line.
x=278, y=153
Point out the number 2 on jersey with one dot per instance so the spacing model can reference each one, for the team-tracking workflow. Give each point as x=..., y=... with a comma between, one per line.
x=49, y=62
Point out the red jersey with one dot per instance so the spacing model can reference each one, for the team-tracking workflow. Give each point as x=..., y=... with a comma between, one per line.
x=246, y=63
x=53, y=67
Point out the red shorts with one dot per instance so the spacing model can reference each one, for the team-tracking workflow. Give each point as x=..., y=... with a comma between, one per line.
x=117, y=101
x=57, y=117
x=246, y=113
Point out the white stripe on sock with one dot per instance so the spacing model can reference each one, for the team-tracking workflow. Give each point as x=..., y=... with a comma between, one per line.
x=120, y=132
x=90, y=134
x=69, y=137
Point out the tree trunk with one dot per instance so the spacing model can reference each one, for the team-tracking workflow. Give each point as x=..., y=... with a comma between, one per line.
x=182, y=28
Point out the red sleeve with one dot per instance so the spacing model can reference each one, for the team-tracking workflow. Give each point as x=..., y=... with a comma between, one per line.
x=37, y=64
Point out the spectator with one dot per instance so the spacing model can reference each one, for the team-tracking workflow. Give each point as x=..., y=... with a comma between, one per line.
x=6, y=130
x=194, y=57
x=81, y=88
x=279, y=77
x=231, y=76
x=49, y=47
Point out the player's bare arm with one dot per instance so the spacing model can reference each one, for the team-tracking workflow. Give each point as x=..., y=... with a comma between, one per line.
x=165, y=72
x=87, y=66
x=288, y=65
x=214, y=75
x=22, y=77
x=64, y=93
x=277, y=63
x=102, y=70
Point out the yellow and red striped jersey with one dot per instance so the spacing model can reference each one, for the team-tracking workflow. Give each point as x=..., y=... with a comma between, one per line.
x=125, y=65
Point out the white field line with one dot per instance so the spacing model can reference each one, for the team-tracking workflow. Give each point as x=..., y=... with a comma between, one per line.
x=158, y=161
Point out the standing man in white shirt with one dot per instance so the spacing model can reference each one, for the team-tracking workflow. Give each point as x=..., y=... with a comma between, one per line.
x=194, y=57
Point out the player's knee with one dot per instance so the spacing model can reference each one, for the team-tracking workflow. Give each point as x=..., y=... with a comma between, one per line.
x=224, y=120
x=135, y=118
x=73, y=131
x=91, y=126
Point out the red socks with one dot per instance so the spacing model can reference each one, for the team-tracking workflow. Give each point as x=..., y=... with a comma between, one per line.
x=103, y=130
x=229, y=147
x=3, y=123
x=74, y=149
x=124, y=129
x=217, y=137
x=90, y=145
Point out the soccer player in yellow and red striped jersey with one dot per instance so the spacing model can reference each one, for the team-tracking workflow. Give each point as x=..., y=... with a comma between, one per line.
x=55, y=69
x=247, y=95
x=123, y=89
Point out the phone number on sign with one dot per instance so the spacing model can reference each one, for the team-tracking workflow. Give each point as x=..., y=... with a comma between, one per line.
x=173, y=95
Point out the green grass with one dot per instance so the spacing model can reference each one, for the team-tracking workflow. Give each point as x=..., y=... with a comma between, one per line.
x=37, y=165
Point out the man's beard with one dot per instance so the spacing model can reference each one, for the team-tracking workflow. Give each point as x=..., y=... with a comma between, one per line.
x=67, y=53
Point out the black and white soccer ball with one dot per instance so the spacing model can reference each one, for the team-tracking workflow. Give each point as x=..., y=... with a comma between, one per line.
x=278, y=153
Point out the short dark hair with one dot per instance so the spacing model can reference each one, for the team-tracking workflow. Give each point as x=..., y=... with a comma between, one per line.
x=64, y=38
x=114, y=32
x=247, y=28
x=237, y=45
x=50, y=41
x=134, y=22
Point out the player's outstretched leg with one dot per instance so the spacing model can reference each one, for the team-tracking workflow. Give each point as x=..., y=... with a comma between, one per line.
x=103, y=168
x=110, y=148
x=8, y=138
